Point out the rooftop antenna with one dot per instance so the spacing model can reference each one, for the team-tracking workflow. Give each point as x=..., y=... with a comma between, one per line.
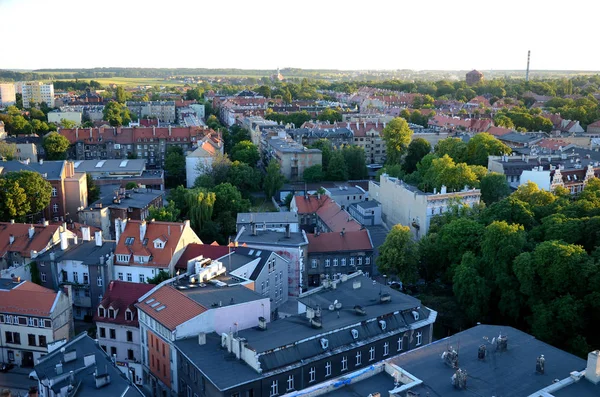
x=527, y=73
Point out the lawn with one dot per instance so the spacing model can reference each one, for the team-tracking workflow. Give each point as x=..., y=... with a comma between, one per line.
x=260, y=204
x=134, y=82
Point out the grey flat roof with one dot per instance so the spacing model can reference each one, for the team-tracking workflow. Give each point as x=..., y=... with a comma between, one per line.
x=289, y=146
x=86, y=252
x=242, y=256
x=268, y=237
x=509, y=373
x=137, y=200
x=84, y=345
x=53, y=169
x=216, y=363
x=137, y=165
x=294, y=328
x=381, y=383
x=583, y=388
x=267, y=217
x=345, y=191
x=211, y=295
x=368, y=204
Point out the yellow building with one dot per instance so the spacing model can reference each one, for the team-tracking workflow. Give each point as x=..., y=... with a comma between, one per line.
x=38, y=92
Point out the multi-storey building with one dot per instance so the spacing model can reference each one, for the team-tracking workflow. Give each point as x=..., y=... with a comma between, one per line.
x=150, y=143
x=188, y=306
x=407, y=205
x=307, y=136
x=7, y=95
x=118, y=329
x=292, y=157
x=320, y=213
x=69, y=188
x=333, y=254
x=164, y=111
x=37, y=92
x=290, y=245
x=276, y=221
x=121, y=172
x=335, y=335
x=201, y=159
x=83, y=266
x=28, y=146
x=144, y=248
x=68, y=113
x=474, y=77
x=31, y=317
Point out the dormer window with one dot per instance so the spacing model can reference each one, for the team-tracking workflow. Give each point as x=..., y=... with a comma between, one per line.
x=158, y=243
x=100, y=311
x=129, y=315
x=111, y=313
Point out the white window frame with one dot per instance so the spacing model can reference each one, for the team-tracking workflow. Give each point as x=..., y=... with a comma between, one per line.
x=129, y=277
x=335, y=262
x=419, y=338
x=400, y=342
x=54, y=192
x=313, y=374
x=327, y=262
x=360, y=261
x=371, y=353
x=43, y=276
x=367, y=260
x=351, y=261
x=142, y=278
x=99, y=281
x=121, y=276
x=313, y=264
x=290, y=383
x=345, y=363
x=328, y=368
x=358, y=358
x=274, y=389
x=343, y=262
x=386, y=348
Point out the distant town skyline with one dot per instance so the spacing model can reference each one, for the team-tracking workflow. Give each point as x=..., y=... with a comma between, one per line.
x=264, y=34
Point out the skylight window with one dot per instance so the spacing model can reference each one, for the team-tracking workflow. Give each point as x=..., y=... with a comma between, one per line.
x=129, y=240
x=160, y=308
x=149, y=301
x=155, y=304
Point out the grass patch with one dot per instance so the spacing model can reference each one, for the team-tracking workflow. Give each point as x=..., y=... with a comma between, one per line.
x=260, y=204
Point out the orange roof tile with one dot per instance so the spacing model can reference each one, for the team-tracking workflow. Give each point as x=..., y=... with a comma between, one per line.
x=310, y=204
x=28, y=299
x=178, y=308
x=335, y=242
x=337, y=218
x=23, y=244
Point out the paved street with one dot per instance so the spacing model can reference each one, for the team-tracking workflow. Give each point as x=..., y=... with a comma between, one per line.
x=17, y=381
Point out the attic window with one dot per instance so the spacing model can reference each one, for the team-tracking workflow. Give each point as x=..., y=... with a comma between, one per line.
x=100, y=312
x=354, y=334
x=129, y=240
x=382, y=324
x=128, y=315
x=111, y=313
x=324, y=343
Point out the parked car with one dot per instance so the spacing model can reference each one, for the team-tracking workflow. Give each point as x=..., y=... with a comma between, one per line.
x=33, y=375
x=5, y=367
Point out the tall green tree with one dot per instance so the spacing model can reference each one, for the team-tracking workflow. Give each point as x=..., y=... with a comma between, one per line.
x=483, y=145
x=13, y=201
x=494, y=187
x=399, y=255
x=330, y=115
x=36, y=188
x=246, y=152
x=470, y=289
x=337, y=169
x=324, y=145
x=56, y=146
x=354, y=157
x=116, y=114
x=8, y=151
x=92, y=189
x=273, y=179
x=313, y=174
x=168, y=213
x=397, y=135
x=175, y=166
x=417, y=149
x=120, y=95
x=456, y=148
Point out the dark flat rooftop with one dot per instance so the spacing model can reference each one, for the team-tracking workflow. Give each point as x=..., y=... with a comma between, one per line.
x=87, y=252
x=583, y=388
x=211, y=295
x=501, y=374
x=381, y=383
x=268, y=237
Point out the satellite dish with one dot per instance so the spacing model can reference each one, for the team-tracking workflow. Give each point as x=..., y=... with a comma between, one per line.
x=335, y=302
x=331, y=307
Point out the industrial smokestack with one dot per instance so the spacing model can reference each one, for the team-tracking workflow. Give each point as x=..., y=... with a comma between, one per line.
x=527, y=73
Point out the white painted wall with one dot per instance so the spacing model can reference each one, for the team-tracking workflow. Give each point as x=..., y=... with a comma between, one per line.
x=135, y=271
x=540, y=178
x=191, y=168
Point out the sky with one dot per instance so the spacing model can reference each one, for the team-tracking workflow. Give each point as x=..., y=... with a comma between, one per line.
x=308, y=34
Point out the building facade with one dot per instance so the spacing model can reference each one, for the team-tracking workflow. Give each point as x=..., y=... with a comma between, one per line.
x=37, y=92
x=31, y=317
x=7, y=95
x=117, y=326
x=162, y=110
x=406, y=205
x=292, y=157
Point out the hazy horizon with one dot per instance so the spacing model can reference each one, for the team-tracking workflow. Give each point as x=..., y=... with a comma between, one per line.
x=266, y=34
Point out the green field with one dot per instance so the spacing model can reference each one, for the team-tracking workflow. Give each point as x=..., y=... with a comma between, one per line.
x=131, y=82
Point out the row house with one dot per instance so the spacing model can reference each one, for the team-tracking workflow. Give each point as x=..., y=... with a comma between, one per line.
x=81, y=266
x=307, y=136
x=333, y=254
x=191, y=306
x=21, y=243
x=144, y=248
x=164, y=111
x=232, y=108
x=118, y=328
x=292, y=157
x=452, y=124
x=335, y=338
x=149, y=143
x=69, y=187
x=321, y=213
x=31, y=318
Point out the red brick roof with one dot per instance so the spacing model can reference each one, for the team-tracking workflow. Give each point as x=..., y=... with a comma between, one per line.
x=498, y=131
x=126, y=135
x=595, y=124
x=310, y=204
x=22, y=244
x=551, y=144
x=329, y=211
x=120, y=296
x=206, y=250
x=335, y=242
x=178, y=308
x=27, y=298
x=168, y=232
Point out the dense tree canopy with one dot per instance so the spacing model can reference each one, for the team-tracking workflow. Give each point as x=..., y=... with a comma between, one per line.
x=398, y=255
x=56, y=146
x=397, y=135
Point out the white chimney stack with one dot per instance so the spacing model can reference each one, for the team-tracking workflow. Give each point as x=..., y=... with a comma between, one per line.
x=64, y=242
x=85, y=233
x=98, y=239
x=142, y=230
x=31, y=231
x=592, y=371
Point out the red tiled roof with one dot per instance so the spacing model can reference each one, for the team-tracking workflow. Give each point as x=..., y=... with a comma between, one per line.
x=178, y=308
x=121, y=295
x=595, y=124
x=126, y=135
x=310, y=204
x=206, y=250
x=335, y=242
x=27, y=298
x=498, y=131
x=552, y=144
x=336, y=218
x=160, y=257
x=22, y=244
x=75, y=228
